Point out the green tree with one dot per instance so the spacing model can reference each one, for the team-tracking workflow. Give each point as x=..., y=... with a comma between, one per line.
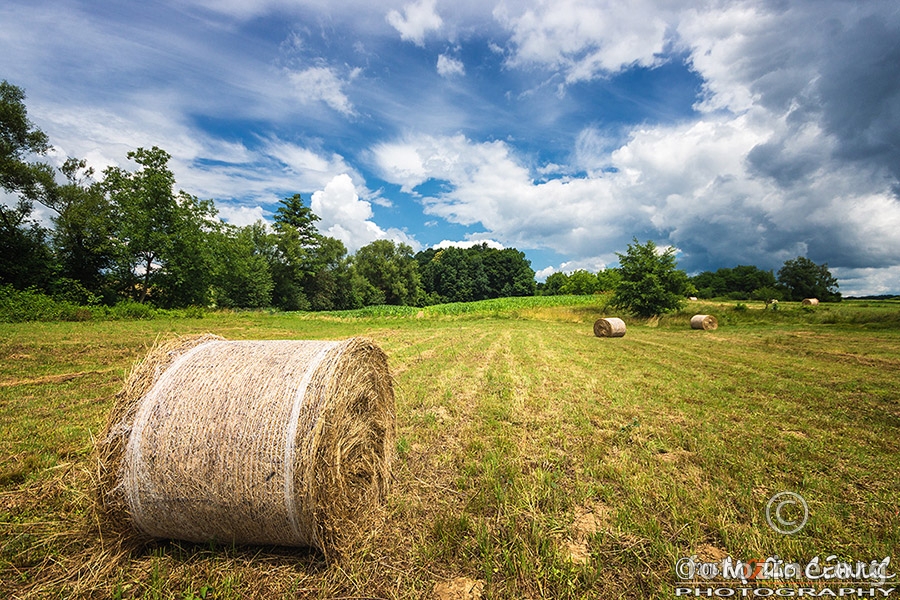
x=477, y=273
x=242, y=276
x=608, y=279
x=163, y=237
x=391, y=269
x=329, y=285
x=710, y=284
x=19, y=138
x=453, y=275
x=581, y=283
x=554, y=284
x=296, y=239
x=767, y=294
x=509, y=273
x=651, y=281
x=186, y=276
x=292, y=213
x=802, y=278
x=25, y=259
x=84, y=230
x=737, y=283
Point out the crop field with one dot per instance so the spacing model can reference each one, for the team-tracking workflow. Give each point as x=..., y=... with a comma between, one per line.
x=534, y=460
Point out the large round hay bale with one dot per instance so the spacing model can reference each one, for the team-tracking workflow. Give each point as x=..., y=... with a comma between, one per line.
x=609, y=327
x=704, y=322
x=279, y=442
x=810, y=302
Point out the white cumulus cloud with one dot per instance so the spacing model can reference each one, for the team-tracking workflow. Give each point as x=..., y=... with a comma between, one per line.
x=416, y=21
x=468, y=244
x=585, y=39
x=346, y=217
x=240, y=215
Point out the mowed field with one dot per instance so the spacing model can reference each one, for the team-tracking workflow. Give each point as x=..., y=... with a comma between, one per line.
x=533, y=459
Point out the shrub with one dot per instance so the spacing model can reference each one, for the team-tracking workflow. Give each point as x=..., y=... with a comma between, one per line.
x=651, y=282
x=17, y=306
x=129, y=309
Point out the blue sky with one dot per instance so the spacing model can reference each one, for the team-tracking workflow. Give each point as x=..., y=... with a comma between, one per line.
x=738, y=132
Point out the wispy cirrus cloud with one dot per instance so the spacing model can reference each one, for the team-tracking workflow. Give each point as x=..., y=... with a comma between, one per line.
x=322, y=84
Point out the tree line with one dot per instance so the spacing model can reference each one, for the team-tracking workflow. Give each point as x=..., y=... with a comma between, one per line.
x=128, y=235
x=797, y=279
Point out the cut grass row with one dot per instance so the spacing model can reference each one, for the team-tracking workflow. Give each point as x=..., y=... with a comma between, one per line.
x=515, y=426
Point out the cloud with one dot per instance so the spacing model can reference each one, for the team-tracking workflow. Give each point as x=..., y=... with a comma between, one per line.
x=585, y=39
x=868, y=281
x=487, y=184
x=793, y=146
x=592, y=264
x=240, y=215
x=468, y=244
x=416, y=21
x=263, y=175
x=816, y=66
x=447, y=66
x=321, y=84
x=688, y=186
x=344, y=216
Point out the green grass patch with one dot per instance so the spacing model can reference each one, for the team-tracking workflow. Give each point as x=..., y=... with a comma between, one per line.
x=532, y=455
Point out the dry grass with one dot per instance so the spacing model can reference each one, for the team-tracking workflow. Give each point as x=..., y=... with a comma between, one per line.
x=533, y=458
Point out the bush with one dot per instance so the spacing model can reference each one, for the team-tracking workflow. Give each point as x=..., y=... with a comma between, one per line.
x=651, y=282
x=129, y=309
x=17, y=306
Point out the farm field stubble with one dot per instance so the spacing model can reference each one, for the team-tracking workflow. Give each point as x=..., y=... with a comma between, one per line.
x=532, y=456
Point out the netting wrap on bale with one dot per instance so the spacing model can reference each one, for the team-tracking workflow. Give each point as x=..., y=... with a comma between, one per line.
x=609, y=327
x=810, y=302
x=279, y=442
x=705, y=322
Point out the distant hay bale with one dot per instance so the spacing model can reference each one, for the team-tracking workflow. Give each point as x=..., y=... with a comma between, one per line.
x=609, y=327
x=810, y=302
x=279, y=442
x=704, y=322
x=692, y=298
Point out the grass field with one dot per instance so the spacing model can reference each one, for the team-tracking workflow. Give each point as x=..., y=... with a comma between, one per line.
x=533, y=457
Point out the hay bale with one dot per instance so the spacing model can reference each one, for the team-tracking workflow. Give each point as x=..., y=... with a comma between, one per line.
x=810, y=302
x=279, y=442
x=609, y=327
x=704, y=322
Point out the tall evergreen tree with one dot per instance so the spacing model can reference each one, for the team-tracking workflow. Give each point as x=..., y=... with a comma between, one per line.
x=292, y=213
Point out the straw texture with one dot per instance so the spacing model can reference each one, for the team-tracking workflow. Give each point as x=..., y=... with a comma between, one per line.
x=704, y=322
x=264, y=442
x=810, y=302
x=609, y=327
